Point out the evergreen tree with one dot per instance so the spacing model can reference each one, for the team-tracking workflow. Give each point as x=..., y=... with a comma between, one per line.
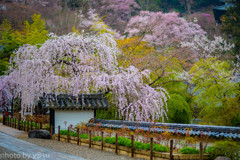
x=231, y=23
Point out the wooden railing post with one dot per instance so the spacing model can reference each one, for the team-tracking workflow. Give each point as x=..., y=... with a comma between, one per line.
x=24, y=125
x=4, y=119
x=132, y=146
x=15, y=122
x=201, y=151
x=116, y=143
x=10, y=125
x=27, y=126
x=78, y=136
x=90, y=139
x=171, y=149
x=68, y=136
x=40, y=125
x=31, y=126
x=151, y=148
x=59, y=133
x=102, y=140
x=19, y=124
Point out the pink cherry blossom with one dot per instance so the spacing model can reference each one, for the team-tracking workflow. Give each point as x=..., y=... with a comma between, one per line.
x=76, y=64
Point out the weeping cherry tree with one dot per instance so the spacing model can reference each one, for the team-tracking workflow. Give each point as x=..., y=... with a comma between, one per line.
x=77, y=63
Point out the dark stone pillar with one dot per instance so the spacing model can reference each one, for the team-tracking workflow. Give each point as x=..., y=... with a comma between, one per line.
x=52, y=119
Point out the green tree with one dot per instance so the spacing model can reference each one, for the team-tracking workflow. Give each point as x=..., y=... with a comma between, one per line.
x=178, y=109
x=231, y=23
x=32, y=33
x=215, y=93
x=8, y=39
x=150, y=5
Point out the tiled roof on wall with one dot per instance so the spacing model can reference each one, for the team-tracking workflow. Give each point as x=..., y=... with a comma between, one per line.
x=69, y=101
x=183, y=129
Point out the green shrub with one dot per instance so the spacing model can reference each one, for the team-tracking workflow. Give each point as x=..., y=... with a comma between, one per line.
x=189, y=150
x=71, y=133
x=225, y=148
x=124, y=141
x=63, y=132
x=138, y=145
x=96, y=138
x=110, y=140
x=84, y=136
x=160, y=148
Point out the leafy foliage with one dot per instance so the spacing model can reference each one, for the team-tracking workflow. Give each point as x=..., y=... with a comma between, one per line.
x=178, y=109
x=231, y=23
x=32, y=33
x=225, y=148
x=189, y=150
x=214, y=91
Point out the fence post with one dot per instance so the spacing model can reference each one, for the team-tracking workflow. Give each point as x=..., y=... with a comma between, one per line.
x=132, y=146
x=201, y=151
x=171, y=149
x=90, y=139
x=59, y=133
x=116, y=143
x=27, y=126
x=24, y=125
x=78, y=136
x=40, y=125
x=10, y=122
x=31, y=126
x=68, y=137
x=151, y=148
x=4, y=120
x=102, y=140
x=19, y=126
x=15, y=123
x=19, y=121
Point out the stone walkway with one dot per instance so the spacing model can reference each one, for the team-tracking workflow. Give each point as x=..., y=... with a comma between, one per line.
x=30, y=150
x=12, y=147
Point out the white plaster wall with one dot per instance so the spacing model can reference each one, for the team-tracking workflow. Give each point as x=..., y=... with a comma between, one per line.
x=73, y=117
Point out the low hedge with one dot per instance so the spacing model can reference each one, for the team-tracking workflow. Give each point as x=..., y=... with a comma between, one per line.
x=189, y=150
x=122, y=141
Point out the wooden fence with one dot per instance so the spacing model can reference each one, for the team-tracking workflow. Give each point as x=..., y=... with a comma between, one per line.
x=90, y=142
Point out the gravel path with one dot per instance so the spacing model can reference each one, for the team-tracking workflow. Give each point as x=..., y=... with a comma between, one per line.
x=83, y=151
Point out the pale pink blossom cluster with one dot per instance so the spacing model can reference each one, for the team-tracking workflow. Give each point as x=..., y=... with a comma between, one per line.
x=205, y=47
x=76, y=64
x=162, y=28
x=6, y=90
x=123, y=8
